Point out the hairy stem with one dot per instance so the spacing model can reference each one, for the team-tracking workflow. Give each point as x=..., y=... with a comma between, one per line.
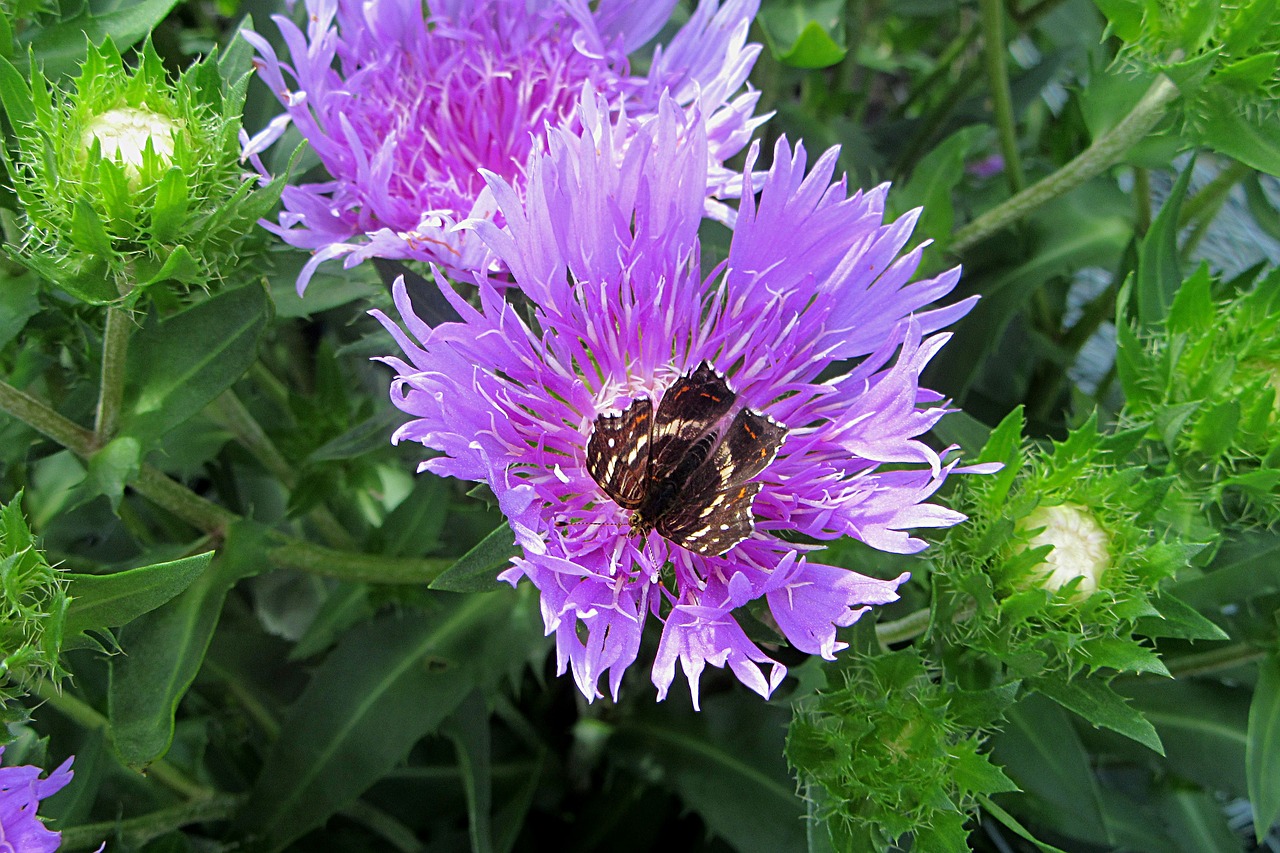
x=207, y=516
x=907, y=628
x=1105, y=152
x=115, y=352
x=137, y=831
x=1214, y=660
x=1001, y=101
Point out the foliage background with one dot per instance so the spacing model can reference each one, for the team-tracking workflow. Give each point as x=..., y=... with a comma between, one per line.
x=307, y=689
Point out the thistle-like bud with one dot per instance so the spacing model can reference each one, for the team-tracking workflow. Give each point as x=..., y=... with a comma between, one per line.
x=123, y=135
x=1080, y=548
x=33, y=607
x=127, y=179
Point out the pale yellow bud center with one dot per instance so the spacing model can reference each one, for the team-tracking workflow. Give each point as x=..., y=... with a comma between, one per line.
x=123, y=135
x=1080, y=547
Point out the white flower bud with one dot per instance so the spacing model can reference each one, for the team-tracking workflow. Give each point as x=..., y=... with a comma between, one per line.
x=1080, y=547
x=122, y=135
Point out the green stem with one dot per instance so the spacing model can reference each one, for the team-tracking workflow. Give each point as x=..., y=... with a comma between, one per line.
x=205, y=515
x=45, y=420
x=1223, y=657
x=907, y=628
x=137, y=831
x=350, y=566
x=115, y=351
x=1105, y=152
x=1001, y=101
x=232, y=415
x=85, y=716
x=946, y=64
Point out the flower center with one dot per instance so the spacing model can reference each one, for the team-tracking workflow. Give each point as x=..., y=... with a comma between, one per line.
x=1080, y=547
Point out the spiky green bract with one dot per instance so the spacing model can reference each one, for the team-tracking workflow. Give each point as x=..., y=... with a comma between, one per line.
x=992, y=598
x=1219, y=53
x=33, y=608
x=886, y=758
x=105, y=222
x=1206, y=384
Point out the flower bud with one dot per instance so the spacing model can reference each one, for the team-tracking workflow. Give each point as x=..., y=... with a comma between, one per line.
x=123, y=134
x=1080, y=547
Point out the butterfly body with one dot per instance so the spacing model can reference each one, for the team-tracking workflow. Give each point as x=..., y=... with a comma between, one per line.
x=680, y=469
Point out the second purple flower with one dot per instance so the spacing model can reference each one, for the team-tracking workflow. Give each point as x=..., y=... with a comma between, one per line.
x=403, y=110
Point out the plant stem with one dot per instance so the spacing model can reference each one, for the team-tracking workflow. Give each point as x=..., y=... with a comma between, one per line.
x=207, y=516
x=137, y=831
x=1002, y=103
x=1223, y=657
x=1141, y=201
x=1102, y=154
x=84, y=715
x=907, y=628
x=1213, y=194
x=115, y=351
x=232, y=415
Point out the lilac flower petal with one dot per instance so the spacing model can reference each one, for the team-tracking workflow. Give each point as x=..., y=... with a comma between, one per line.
x=21, y=790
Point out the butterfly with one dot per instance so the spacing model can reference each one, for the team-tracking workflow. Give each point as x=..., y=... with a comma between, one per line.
x=679, y=469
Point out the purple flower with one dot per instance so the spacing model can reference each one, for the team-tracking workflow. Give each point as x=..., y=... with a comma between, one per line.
x=403, y=111
x=21, y=790
x=604, y=246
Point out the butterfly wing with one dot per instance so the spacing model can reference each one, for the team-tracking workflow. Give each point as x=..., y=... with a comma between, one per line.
x=690, y=409
x=618, y=452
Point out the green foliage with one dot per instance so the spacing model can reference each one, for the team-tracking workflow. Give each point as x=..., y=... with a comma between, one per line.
x=890, y=758
x=1204, y=384
x=127, y=179
x=33, y=610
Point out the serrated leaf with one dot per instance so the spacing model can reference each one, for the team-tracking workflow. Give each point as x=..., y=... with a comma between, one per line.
x=1159, y=268
x=179, y=266
x=170, y=377
x=1262, y=754
x=88, y=232
x=1122, y=655
x=974, y=772
x=99, y=602
x=15, y=96
x=1252, y=141
x=165, y=648
x=477, y=570
x=1192, y=306
x=1178, y=619
x=169, y=211
x=388, y=683
x=1094, y=700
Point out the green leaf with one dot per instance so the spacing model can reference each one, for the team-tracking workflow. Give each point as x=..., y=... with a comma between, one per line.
x=805, y=33
x=61, y=47
x=88, y=232
x=346, y=605
x=1178, y=619
x=165, y=648
x=179, y=266
x=477, y=570
x=169, y=212
x=109, y=601
x=963, y=429
x=387, y=684
x=1245, y=567
x=1202, y=725
x=113, y=467
x=1123, y=16
x=1094, y=700
x=1253, y=141
x=1122, y=655
x=1011, y=823
x=1197, y=823
x=15, y=96
x=932, y=182
x=468, y=728
x=19, y=302
x=1262, y=755
x=1040, y=751
x=1192, y=306
x=726, y=764
x=178, y=366
x=1159, y=270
